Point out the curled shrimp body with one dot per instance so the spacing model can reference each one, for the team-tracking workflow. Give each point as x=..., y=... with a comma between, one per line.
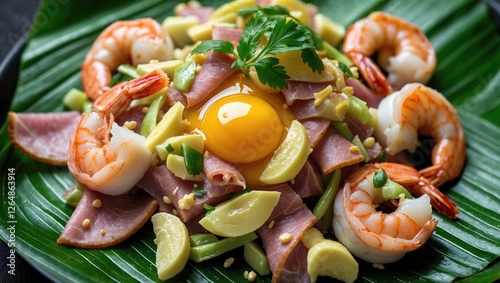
x=117, y=99
x=104, y=156
x=403, y=51
x=419, y=110
x=136, y=41
x=375, y=236
x=109, y=165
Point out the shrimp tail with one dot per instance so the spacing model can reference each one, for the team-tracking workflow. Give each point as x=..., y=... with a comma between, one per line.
x=435, y=174
x=441, y=203
x=372, y=73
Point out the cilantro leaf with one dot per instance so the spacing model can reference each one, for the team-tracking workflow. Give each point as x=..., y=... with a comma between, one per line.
x=270, y=73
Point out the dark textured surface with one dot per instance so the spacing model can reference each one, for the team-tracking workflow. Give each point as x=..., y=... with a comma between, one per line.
x=16, y=18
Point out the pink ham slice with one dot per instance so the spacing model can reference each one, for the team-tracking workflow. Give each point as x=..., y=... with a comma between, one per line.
x=215, y=69
x=332, y=152
x=222, y=173
x=115, y=220
x=134, y=114
x=301, y=91
x=316, y=129
x=292, y=216
x=227, y=33
x=44, y=136
x=365, y=93
x=307, y=183
x=200, y=12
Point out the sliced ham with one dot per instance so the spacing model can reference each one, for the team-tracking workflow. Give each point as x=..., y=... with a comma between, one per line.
x=332, y=152
x=301, y=91
x=316, y=129
x=227, y=33
x=307, y=183
x=365, y=93
x=222, y=173
x=202, y=13
x=174, y=95
x=215, y=69
x=292, y=216
x=295, y=267
x=44, y=136
x=133, y=114
x=166, y=184
x=116, y=219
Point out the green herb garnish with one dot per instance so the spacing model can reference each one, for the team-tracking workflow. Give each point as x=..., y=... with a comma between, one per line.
x=208, y=208
x=281, y=35
x=380, y=178
x=192, y=159
x=244, y=191
x=199, y=192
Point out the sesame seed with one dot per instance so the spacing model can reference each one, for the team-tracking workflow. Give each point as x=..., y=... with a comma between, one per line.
x=271, y=224
x=252, y=276
x=166, y=200
x=285, y=238
x=97, y=203
x=245, y=274
x=130, y=124
x=86, y=223
x=102, y=232
x=369, y=142
x=353, y=149
x=228, y=262
x=145, y=109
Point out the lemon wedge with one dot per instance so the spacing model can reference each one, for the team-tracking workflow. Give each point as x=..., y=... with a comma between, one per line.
x=290, y=156
x=241, y=215
x=172, y=241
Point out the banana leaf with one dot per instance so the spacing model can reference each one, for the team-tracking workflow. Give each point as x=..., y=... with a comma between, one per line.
x=467, y=42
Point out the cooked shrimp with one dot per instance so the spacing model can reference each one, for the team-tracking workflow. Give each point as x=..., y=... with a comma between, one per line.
x=403, y=51
x=375, y=236
x=118, y=98
x=417, y=109
x=137, y=41
x=109, y=165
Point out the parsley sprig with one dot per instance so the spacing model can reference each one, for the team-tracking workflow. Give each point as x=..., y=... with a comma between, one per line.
x=272, y=25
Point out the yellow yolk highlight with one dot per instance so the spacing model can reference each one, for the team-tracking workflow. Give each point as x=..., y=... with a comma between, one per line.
x=242, y=124
x=242, y=128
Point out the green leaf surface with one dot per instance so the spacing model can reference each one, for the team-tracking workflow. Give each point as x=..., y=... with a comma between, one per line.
x=467, y=43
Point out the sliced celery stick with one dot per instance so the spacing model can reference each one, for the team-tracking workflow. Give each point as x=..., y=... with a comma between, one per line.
x=87, y=106
x=128, y=70
x=334, y=54
x=393, y=190
x=208, y=251
x=184, y=75
x=74, y=99
x=201, y=239
x=357, y=142
x=343, y=129
x=328, y=195
x=359, y=110
x=151, y=117
x=256, y=258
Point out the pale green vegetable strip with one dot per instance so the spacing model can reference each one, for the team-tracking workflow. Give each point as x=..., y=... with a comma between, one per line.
x=74, y=99
x=151, y=117
x=328, y=196
x=343, y=129
x=87, y=106
x=202, y=239
x=392, y=190
x=128, y=70
x=256, y=258
x=359, y=110
x=334, y=54
x=208, y=251
x=326, y=221
x=357, y=142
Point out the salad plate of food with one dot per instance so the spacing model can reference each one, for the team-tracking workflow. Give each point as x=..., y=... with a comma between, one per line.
x=267, y=141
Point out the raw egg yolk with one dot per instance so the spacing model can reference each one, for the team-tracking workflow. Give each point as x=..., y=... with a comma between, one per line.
x=242, y=128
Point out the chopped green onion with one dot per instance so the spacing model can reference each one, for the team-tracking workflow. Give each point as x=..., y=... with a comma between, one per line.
x=170, y=148
x=128, y=70
x=184, y=75
x=208, y=209
x=328, y=195
x=357, y=142
x=244, y=191
x=343, y=129
x=199, y=192
x=380, y=178
x=393, y=190
x=192, y=159
x=359, y=110
x=87, y=106
x=74, y=194
x=151, y=118
x=211, y=250
x=201, y=239
x=346, y=70
x=383, y=156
